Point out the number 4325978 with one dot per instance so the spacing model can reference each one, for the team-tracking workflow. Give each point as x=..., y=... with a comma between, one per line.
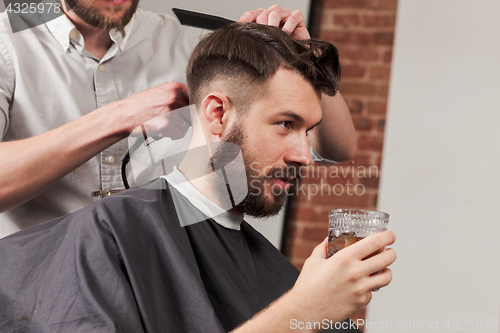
x=32, y=8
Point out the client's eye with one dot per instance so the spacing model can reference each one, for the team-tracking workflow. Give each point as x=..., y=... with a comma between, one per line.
x=284, y=124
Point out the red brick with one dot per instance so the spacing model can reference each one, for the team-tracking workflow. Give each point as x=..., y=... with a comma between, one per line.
x=350, y=175
x=297, y=234
x=302, y=198
x=323, y=216
x=383, y=90
x=358, y=54
x=352, y=200
x=361, y=160
x=310, y=175
x=363, y=89
x=319, y=170
x=383, y=21
x=315, y=234
x=383, y=38
x=334, y=169
x=337, y=170
x=370, y=142
x=355, y=106
x=339, y=176
x=308, y=192
x=380, y=72
x=346, y=20
x=347, y=3
x=377, y=107
x=381, y=125
x=371, y=182
x=371, y=171
x=353, y=71
x=306, y=214
x=324, y=21
x=387, y=57
x=362, y=123
x=388, y=4
x=301, y=250
x=347, y=37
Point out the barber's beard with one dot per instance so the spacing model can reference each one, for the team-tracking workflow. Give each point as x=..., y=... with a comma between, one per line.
x=256, y=203
x=97, y=19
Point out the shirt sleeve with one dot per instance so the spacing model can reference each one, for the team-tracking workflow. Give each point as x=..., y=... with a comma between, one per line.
x=318, y=158
x=6, y=87
x=3, y=124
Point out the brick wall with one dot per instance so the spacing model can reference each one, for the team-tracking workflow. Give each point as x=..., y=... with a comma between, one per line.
x=363, y=31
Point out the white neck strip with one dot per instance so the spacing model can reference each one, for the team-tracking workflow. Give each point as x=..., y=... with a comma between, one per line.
x=202, y=203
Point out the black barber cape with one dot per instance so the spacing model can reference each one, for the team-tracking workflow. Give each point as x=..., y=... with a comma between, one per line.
x=125, y=264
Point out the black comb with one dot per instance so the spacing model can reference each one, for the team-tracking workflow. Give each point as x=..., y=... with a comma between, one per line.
x=200, y=20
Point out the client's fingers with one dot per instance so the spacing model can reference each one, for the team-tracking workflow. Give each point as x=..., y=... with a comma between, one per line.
x=379, y=261
x=370, y=244
x=380, y=280
x=320, y=250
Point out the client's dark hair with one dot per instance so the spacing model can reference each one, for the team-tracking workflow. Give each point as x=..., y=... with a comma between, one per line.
x=246, y=55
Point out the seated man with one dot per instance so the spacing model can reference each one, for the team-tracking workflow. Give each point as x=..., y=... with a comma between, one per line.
x=170, y=257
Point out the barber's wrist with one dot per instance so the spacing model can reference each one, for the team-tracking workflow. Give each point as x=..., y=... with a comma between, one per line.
x=121, y=118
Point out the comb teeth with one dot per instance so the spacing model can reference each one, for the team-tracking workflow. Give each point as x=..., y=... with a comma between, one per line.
x=200, y=20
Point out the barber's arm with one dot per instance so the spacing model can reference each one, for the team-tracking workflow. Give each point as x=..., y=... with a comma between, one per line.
x=30, y=166
x=335, y=138
x=329, y=289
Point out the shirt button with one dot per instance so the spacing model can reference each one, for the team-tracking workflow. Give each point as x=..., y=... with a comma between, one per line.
x=110, y=159
x=101, y=68
x=74, y=34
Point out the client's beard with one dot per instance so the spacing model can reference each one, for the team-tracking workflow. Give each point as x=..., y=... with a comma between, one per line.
x=255, y=203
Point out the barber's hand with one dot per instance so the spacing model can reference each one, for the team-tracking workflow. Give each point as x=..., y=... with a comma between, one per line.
x=291, y=22
x=334, y=288
x=173, y=124
x=162, y=111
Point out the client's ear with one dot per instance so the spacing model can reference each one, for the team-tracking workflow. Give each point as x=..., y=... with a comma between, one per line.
x=218, y=112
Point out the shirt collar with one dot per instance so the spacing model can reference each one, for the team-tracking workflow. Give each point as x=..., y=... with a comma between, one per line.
x=65, y=32
x=118, y=38
x=202, y=203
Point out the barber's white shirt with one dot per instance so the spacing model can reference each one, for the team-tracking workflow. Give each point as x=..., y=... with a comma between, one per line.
x=48, y=79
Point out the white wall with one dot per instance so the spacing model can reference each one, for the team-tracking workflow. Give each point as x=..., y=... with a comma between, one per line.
x=440, y=177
